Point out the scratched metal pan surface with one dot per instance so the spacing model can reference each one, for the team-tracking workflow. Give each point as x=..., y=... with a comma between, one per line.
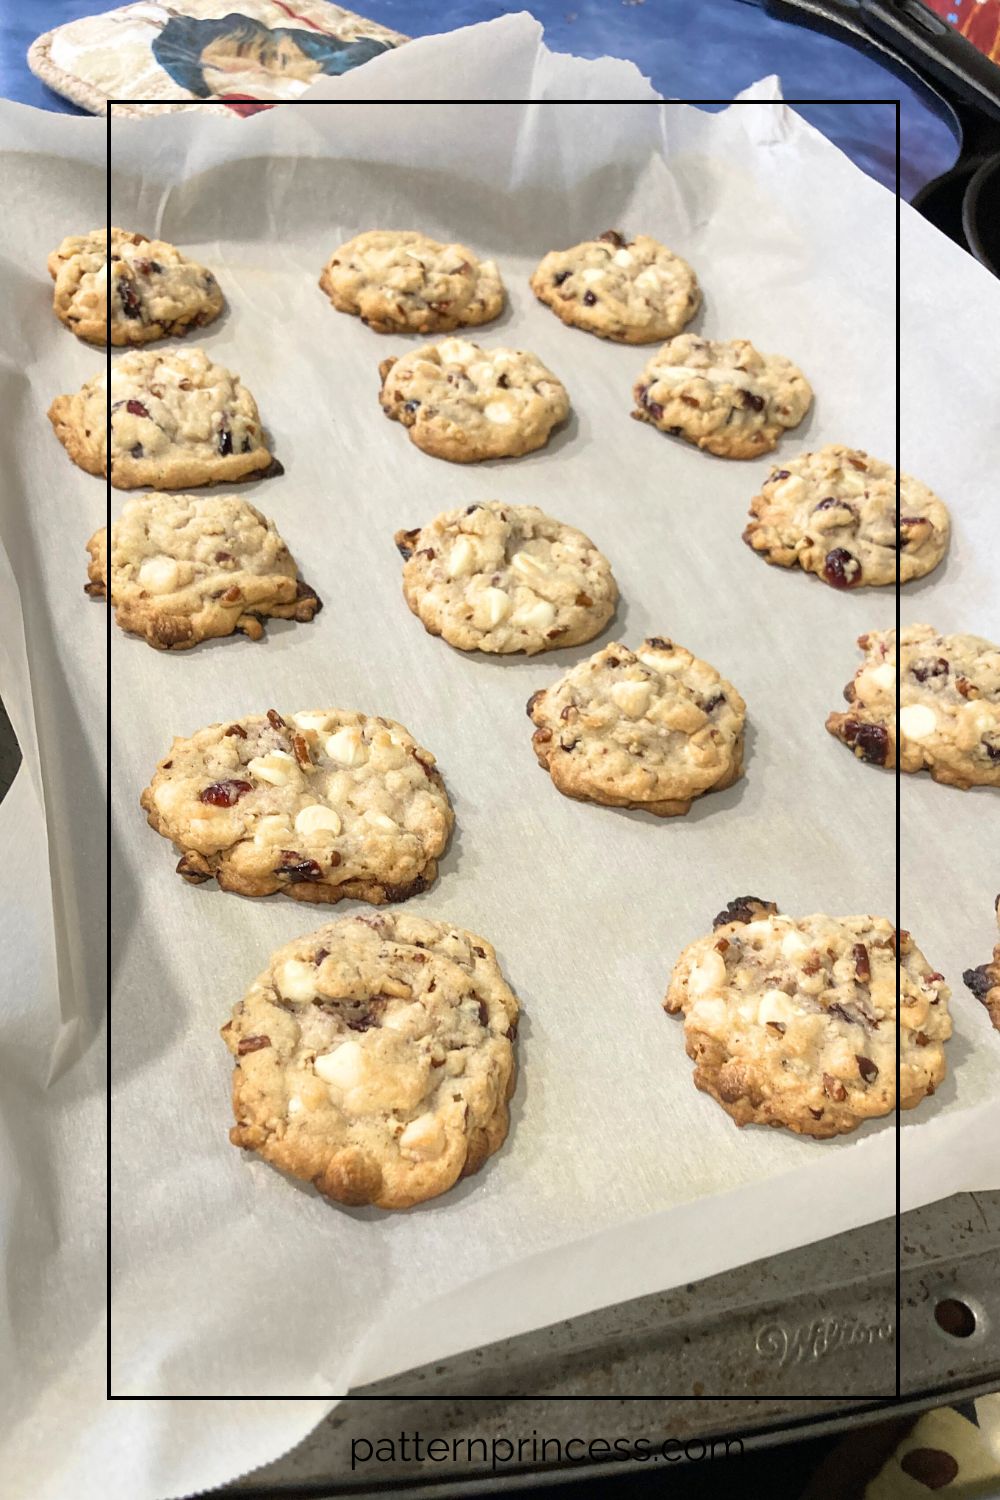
x=820, y=1319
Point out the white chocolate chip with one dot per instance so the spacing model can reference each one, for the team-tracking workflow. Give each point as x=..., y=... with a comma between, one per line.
x=380, y=820
x=461, y=558
x=294, y=1105
x=277, y=767
x=296, y=980
x=775, y=1006
x=317, y=819
x=347, y=747
x=159, y=575
x=709, y=1015
x=648, y=280
x=662, y=661
x=457, y=351
x=308, y=721
x=632, y=697
x=423, y=1138
x=789, y=489
x=623, y=257
x=535, y=614
x=343, y=1067
x=883, y=677
x=274, y=829
x=530, y=566
x=794, y=945
x=759, y=929
x=917, y=721
x=492, y=606
x=592, y=274
x=498, y=412
x=708, y=974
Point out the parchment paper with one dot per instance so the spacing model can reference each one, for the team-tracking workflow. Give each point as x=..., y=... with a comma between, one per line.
x=618, y=1178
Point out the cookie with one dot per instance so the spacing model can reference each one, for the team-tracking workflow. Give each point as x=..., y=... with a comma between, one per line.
x=792, y=1020
x=949, y=714
x=322, y=805
x=155, y=290
x=833, y=513
x=502, y=578
x=984, y=982
x=400, y=282
x=725, y=398
x=187, y=568
x=632, y=291
x=464, y=403
x=178, y=421
x=375, y=1059
x=651, y=729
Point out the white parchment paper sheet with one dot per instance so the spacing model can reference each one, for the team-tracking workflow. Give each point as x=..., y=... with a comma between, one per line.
x=617, y=1178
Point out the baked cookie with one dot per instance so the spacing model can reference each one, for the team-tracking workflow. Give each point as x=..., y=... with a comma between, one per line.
x=652, y=729
x=187, y=568
x=501, y=578
x=400, y=282
x=984, y=982
x=178, y=421
x=155, y=290
x=949, y=714
x=792, y=1020
x=322, y=805
x=726, y=398
x=375, y=1059
x=833, y=513
x=464, y=403
x=632, y=291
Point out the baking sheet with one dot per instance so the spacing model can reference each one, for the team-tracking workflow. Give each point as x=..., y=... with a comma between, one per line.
x=230, y=1280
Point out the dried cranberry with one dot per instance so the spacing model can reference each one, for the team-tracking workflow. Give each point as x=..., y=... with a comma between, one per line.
x=560, y=277
x=979, y=981
x=589, y=299
x=410, y=406
x=831, y=502
x=871, y=740
x=992, y=750
x=745, y=909
x=833, y=1088
x=252, y=1044
x=484, y=1013
x=653, y=407
x=297, y=868
x=225, y=442
x=927, y=667
x=778, y=474
x=533, y=700
x=137, y=450
x=658, y=643
x=503, y=382
x=136, y=408
x=862, y=966
x=612, y=237
x=841, y=569
x=131, y=305
x=713, y=702
x=225, y=793
x=237, y=730
x=751, y=401
x=222, y=557
x=866, y=1068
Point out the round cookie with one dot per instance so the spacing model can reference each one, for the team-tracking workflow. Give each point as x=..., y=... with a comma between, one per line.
x=464, y=403
x=401, y=282
x=723, y=397
x=632, y=291
x=188, y=568
x=792, y=1021
x=651, y=729
x=833, y=513
x=984, y=982
x=178, y=421
x=949, y=714
x=321, y=804
x=502, y=578
x=375, y=1059
x=155, y=290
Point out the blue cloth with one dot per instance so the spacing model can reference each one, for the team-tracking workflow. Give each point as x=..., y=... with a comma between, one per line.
x=688, y=48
